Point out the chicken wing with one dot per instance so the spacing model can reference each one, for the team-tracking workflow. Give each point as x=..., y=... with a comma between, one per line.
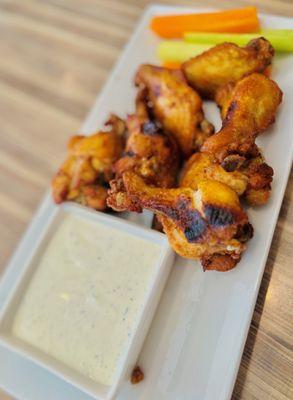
x=226, y=63
x=257, y=171
x=151, y=154
x=85, y=174
x=252, y=109
x=207, y=223
x=231, y=155
x=175, y=105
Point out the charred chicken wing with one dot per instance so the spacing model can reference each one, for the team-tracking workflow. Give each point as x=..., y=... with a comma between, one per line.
x=85, y=174
x=226, y=63
x=231, y=155
x=207, y=223
x=175, y=105
x=254, y=167
x=252, y=109
x=149, y=152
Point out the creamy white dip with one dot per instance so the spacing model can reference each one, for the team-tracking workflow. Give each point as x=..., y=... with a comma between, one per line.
x=82, y=303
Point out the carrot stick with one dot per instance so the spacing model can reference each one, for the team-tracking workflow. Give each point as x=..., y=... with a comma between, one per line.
x=172, y=65
x=238, y=20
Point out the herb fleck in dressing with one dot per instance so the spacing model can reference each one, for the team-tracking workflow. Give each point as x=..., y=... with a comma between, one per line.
x=83, y=301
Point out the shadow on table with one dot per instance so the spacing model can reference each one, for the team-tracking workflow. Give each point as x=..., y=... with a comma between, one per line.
x=251, y=338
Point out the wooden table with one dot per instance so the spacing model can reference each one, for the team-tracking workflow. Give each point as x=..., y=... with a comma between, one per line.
x=55, y=56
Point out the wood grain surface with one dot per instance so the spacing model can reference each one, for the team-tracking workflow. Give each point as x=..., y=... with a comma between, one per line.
x=55, y=56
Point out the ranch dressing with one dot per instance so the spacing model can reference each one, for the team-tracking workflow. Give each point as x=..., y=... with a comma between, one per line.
x=82, y=303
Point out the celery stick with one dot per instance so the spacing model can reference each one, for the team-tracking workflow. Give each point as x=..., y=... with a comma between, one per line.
x=277, y=31
x=179, y=51
x=281, y=39
x=217, y=38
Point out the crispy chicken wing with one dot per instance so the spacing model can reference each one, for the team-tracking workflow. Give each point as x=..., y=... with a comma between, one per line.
x=226, y=63
x=207, y=223
x=258, y=172
x=151, y=154
x=85, y=174
x=231, y=155
x=252, y=109
x=175, y=105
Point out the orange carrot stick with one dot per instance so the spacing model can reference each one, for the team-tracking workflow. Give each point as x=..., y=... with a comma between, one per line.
x=172, y=65
x=242, y=20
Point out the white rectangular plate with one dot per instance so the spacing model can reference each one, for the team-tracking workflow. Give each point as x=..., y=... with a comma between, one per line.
x=196, y=340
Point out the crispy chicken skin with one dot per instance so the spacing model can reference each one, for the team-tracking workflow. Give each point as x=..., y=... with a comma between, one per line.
x=175, y=105
x=260, y=176
x=200, y=166
x=226, y=63
x=223, y=98
x=252, y=110
x=207, y=223
x=258, y=172
x=149, y=152
x=249, y=178
x=85, y=174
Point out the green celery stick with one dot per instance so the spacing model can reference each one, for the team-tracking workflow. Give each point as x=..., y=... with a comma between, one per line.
x=281, y=39
x=179, y=51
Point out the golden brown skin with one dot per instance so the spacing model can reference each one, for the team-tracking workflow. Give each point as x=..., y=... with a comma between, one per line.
x=84, y=175
x=223, y=98
x=212, y=257
x=248, y=108
x=258, y=173
x=252, y=110
x=175, y=105
x=226, y=63
x=200, y=166
x=250, y=178
x=208, y=223
x=151, y=154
